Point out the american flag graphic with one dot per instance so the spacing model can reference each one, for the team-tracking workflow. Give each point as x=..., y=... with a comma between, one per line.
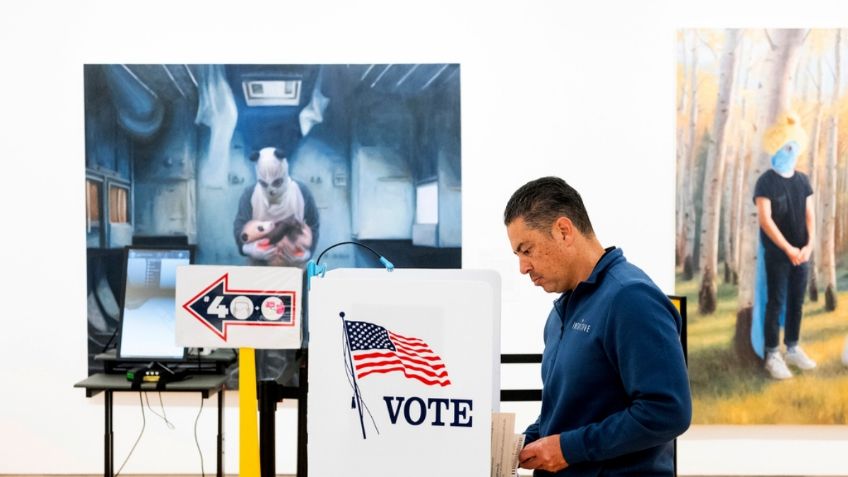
x=374, y=349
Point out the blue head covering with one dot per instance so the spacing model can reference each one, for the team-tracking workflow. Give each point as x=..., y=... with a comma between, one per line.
x=783, y=161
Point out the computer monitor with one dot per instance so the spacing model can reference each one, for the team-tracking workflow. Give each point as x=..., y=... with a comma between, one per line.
x=148, y=314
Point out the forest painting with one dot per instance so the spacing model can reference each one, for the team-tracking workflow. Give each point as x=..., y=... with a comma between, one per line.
x=762, y=223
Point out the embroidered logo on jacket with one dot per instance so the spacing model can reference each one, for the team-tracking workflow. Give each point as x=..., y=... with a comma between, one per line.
x=581, y=326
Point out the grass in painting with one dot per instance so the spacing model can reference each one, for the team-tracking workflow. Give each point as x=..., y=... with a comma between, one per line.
x=728, y=390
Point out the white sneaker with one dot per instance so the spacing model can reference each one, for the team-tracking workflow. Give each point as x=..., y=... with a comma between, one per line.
x=796, y=357
x=776, y=367
x=845, y=353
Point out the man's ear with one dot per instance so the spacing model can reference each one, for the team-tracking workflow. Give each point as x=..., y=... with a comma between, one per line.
x=563, y=229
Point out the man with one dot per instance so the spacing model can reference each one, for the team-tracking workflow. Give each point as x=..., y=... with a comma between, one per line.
x=615, y=387
x=785, y=209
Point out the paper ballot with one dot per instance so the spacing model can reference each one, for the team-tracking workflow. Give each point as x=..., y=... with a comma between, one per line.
x=506, y=445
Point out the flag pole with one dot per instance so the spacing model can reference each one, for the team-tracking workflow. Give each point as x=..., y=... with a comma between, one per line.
x=356, y=393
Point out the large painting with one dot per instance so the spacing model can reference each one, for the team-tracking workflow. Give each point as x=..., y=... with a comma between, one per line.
x=762, y=223
x=268, y=165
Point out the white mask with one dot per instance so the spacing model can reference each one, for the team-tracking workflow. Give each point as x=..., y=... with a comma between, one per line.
x=272, y=174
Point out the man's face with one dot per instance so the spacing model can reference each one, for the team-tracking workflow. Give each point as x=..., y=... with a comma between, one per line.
x=540, y=255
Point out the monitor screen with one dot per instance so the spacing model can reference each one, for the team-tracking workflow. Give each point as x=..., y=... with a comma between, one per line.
x=148, y=317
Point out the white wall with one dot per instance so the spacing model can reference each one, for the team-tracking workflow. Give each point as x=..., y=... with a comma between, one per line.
x=603, y=118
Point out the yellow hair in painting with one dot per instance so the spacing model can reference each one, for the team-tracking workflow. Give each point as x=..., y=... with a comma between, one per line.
x=786, y=128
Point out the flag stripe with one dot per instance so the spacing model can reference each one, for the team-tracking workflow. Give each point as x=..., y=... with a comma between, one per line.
x=360, y=355
x=428, y=382
x=399, y=351
x=408, y=371
x=426, y=355
x=405, y=339
x=391, y=357
x=414, y=349
x=426, y=371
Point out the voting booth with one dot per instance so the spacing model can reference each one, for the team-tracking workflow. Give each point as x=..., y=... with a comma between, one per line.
x=403, y=372
x=403, y=364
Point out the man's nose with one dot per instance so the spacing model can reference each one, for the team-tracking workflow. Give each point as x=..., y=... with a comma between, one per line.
x=524, y=266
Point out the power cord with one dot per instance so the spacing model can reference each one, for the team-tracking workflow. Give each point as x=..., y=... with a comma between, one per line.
x=168, y=423
x=202, y=472
x=382, y=259
x=143, y=425
x=315, y=269
x=160, y=416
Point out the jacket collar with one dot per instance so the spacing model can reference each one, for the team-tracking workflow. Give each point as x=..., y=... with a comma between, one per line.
x=611, y=256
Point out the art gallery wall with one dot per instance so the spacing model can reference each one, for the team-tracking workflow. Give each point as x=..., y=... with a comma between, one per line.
x=580, y=90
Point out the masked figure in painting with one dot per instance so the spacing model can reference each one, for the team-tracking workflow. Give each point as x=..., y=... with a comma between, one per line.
x=277, y=220
x=785, y=209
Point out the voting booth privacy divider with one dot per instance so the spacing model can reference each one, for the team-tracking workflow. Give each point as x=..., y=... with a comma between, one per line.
x=403, y=372
x=403, y=364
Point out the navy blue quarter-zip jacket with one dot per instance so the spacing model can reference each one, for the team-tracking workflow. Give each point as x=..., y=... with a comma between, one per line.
x=615, y=386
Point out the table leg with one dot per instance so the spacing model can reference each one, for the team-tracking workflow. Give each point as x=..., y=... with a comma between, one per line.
x=302, y=468
x=220, y=433
x=108, y=443
x=267, y=397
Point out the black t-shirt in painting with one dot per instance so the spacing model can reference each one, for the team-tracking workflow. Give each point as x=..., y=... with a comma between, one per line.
x=788, y=198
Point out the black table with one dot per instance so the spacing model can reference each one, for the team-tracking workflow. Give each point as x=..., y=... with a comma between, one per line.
x=206, y=384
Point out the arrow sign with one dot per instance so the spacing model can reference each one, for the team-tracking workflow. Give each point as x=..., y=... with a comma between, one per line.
x=218, y=307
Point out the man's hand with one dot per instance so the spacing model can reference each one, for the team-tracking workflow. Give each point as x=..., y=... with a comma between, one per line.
x=545, y=454
x=794, y=254
x=806, y=253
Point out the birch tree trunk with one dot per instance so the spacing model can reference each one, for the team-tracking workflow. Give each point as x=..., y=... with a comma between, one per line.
x=742, y=161
x=743, y=130
x=827, y=254
x=682, y=155
x=813, y=167
x=726, y=213
x=778, y=68
x=841, y=204
x=714, y=174
x=687, y=237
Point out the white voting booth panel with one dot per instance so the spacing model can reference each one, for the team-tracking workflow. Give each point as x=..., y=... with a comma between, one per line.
x=234, y=307
x=402, y=372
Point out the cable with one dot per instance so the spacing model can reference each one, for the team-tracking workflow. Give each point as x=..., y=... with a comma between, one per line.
x=106, y=346
x=160, y=416
x=143, y=425
x=345, y=243
x=196, y=442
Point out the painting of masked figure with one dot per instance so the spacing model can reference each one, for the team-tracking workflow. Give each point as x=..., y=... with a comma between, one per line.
x=762, y=223
x=265, y=165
